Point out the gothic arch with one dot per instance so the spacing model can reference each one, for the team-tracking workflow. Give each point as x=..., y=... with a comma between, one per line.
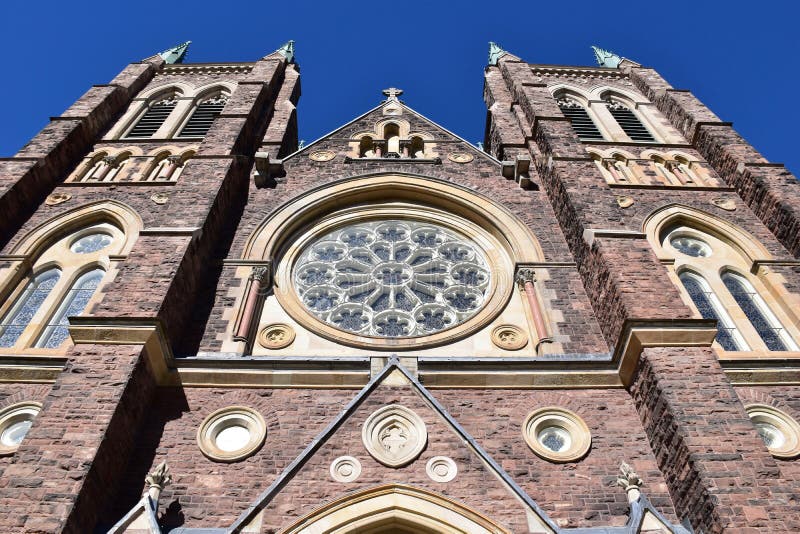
x=398, y=506
x=106, y=211
x=267, y=240
x=674, y=214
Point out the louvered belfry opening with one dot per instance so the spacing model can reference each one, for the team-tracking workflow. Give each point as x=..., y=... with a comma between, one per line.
x=153, y=118
x=203, y=116
x=582, y=123
x=629, y=122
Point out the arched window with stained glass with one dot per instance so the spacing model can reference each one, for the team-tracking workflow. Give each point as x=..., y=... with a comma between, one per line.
x=769, y=328
x=73, y=303
x=709, y=306
x=17, y=319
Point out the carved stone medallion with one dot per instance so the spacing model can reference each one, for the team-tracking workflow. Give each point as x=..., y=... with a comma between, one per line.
x=394, y=435
x=160, y=198
x=441, y=469
x=322, y=155
x=460, y=157
x=624, y=202
x=345, y=469
x=57, y=198
x=724, y=203
x=276, y=336
x=509, y=337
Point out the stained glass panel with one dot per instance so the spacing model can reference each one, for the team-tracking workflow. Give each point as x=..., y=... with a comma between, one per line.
x=392, y=278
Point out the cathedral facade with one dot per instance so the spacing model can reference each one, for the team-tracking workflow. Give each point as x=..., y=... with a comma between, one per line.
x=588, y=324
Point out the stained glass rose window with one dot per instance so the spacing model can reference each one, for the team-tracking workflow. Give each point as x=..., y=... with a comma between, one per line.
x=392, y=278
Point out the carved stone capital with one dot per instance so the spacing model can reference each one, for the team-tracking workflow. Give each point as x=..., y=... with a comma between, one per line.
x=526, y=274
x=111, y=161
x=262, y=274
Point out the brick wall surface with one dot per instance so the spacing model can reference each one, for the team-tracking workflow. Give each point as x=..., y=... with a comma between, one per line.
x=211, y=494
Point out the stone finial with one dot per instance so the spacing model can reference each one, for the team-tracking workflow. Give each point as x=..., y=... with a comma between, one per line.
x=495, y=53
x=287, y=51
x=176, y=54
x=631, y=481
x=158, y=480
x=606, y=58
x=392, y=93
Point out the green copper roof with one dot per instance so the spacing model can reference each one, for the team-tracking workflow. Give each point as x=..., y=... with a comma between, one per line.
x=287, y=51
x=176, y=54
x=495, y=53
x=606, y=58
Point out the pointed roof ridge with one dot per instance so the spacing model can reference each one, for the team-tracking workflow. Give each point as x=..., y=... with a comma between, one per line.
x=408, y=108
x=176, y=54
x=144, y=506
x=606, y=58
x=495, y=52
x=393, y=364
x=287, y=51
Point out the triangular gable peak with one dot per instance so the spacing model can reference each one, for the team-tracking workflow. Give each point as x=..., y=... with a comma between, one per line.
x=392, y=408
x=394, y=131
x=387, y=408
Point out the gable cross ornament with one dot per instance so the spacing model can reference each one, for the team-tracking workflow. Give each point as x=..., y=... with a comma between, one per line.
x=392, y=93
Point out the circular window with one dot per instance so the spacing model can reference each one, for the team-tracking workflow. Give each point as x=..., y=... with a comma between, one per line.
x=392, y=278
x=780, y=432
x=690, y=246
x=15, y=421
x=557, y=435
x=231, y=434
x=91, y=243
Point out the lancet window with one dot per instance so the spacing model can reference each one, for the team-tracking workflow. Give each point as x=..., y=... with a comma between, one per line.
x=629, y=122
x=63, y=280
x=153, y=118
x=716, y=276
x=203, y=116
x=582, y=123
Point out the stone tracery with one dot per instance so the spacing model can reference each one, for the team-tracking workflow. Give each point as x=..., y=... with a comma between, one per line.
x=392, y=278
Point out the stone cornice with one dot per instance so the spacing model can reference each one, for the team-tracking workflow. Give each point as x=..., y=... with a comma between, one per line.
x=579, y=72
x=207, y=68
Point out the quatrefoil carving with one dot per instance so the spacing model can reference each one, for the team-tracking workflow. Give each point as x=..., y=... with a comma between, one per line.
x=394, y=435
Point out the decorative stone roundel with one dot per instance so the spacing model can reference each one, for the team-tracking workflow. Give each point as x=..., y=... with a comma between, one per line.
x=460, y=157
x=345, y=469
x=557, y=434
x=394, y=435
x=57, y=198
x=231, y=434
x=780, y=432
x=441, y=469
x=509, y=337
x=276, y=336
x=322, y=155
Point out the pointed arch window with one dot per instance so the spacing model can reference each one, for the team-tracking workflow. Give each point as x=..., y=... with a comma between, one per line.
x=770, y=330
x=629, y=122
x=74, y=303
x=710, y=307
x=714, y=271
x=203, y=116
x=582, y=123
x=26, y=305
x=153, y=118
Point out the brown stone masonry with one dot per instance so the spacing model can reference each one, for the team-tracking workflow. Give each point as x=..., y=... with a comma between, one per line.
x=769, y=189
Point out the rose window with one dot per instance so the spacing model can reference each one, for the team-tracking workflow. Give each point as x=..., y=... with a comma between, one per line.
x=392, y=278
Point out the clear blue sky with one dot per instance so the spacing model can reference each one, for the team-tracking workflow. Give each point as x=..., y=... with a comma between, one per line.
x=739, y=58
